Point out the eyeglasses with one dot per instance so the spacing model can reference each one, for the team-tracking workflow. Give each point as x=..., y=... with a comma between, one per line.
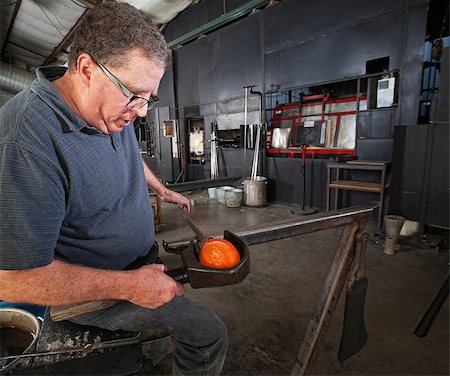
x=135, y=101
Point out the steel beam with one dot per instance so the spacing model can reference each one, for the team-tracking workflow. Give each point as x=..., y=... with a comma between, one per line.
x=218, y=22
x=289, y=228
x=313, y=223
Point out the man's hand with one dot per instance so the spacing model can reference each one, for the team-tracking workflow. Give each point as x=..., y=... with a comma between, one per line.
x=162, y=191
x=176, y=198
x=153, y=287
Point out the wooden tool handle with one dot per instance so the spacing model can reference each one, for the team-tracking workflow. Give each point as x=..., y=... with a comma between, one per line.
x=59, y=313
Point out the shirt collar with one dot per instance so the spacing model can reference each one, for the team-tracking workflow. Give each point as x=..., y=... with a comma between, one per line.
x=43, y=87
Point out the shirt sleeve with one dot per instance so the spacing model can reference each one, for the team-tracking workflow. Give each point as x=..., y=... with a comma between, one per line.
x=32, y=207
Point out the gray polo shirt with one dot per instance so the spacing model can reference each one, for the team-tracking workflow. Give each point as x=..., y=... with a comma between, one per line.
x=68, y=191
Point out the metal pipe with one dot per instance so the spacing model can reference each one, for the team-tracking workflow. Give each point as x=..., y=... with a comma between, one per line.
x=245, y=128
x=14, y=79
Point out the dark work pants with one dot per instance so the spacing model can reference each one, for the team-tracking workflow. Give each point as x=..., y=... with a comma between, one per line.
x=201, y=337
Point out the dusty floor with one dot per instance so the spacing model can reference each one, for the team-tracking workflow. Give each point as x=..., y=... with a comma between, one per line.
x=267, y=314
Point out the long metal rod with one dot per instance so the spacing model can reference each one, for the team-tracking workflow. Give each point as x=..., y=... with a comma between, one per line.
x=199, y=233
x=90, y=347
x=244, y=145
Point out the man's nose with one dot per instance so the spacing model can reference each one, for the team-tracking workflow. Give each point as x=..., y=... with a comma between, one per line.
x=142, y=112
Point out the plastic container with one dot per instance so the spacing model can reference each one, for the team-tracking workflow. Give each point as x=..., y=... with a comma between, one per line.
x=233, y=197
x=221, y=194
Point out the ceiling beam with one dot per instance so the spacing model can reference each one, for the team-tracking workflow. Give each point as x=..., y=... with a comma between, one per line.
x=68, y=38
x=66, y=41
x=11, y=24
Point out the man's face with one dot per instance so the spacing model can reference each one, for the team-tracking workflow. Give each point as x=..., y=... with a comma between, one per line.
x=108, y=111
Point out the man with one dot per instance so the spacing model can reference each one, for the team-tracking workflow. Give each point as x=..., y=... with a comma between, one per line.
x=75, y=220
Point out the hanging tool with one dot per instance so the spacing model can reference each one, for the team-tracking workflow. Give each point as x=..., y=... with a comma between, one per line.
x=354, y=333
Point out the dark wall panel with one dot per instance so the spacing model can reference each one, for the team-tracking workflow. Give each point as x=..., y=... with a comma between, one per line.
x=186, y=71
x=233, y=4
x=375, y=149
x=231, y=161
x=296, y=21
x=437, y=193
x=415, y=25
x=188, y=20
x=382, y=123
x=377, y=123
x=284, y=185
x=337, y=55
x=229, y=60
x=166, y=90
x=421, y=170
x=413, y=171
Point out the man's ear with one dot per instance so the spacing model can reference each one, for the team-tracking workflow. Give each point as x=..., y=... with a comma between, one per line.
x=85, y=67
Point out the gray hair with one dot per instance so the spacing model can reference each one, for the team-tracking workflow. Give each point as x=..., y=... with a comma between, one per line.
x=111, y=30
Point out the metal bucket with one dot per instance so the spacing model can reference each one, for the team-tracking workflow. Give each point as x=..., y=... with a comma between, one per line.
x=255, y=191
x=19, y=333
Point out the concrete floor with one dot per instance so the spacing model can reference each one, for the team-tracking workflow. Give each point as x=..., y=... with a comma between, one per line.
x=267, y=314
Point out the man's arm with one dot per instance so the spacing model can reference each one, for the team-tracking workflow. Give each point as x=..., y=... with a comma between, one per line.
x=60, y=283
x=163, y=192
